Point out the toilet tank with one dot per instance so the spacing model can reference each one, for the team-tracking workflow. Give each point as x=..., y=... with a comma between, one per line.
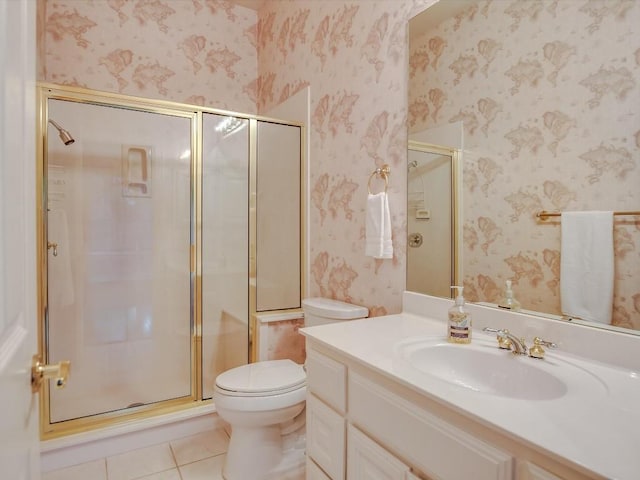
x=320, y=311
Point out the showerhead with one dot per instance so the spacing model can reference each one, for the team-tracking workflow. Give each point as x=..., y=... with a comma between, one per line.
x=65, y=136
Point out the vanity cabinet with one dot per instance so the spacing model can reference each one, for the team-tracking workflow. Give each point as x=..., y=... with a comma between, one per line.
x=314, y=472
x=326, y=411
x=330, y=437
x=362, y=425
x=368, y=460
x=326, y=439
x=422, y=438
x=530, y=471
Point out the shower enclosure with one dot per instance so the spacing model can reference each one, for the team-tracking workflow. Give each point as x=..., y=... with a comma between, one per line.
x=149, y=233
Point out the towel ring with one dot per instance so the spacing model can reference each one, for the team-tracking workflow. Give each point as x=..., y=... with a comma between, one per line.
x=383, y=172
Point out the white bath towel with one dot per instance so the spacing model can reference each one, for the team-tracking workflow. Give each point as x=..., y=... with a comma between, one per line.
x=378, y=227
x=61, y=292
x=586, y=265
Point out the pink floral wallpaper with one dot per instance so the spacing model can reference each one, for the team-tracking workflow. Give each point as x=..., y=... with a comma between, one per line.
x=523, y=153
x=193, y=51
x=353, y=54
x=285, y=341
x=548, y=93
x=214, y=53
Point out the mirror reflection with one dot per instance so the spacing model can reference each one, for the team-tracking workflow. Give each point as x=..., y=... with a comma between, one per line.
x=431, y=221
x=547, y=98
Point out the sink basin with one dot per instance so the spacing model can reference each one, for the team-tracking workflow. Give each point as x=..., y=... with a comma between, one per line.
x=482, y=367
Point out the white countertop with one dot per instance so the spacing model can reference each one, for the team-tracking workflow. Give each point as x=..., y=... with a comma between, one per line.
x=598, y=430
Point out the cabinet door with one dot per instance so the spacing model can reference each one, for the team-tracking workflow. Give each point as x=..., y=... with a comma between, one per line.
x=530, y=471
x=325, y=437
x=327, y=379
x=314, y=472
x=366, y=460
x=452, y=453
x=413, y=476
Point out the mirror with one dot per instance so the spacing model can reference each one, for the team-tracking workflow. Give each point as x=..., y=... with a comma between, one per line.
x=432, y=205
x=542, y=99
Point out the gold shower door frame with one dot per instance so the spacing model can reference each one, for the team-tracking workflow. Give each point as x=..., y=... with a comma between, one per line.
x=45, y=92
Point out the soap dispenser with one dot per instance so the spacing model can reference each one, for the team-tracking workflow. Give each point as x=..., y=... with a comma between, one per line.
x=509, y=302
x=459, y=324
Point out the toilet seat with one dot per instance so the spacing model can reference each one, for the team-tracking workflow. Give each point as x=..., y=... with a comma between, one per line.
x=261, y=386
x=261, y=379
x=229, y=401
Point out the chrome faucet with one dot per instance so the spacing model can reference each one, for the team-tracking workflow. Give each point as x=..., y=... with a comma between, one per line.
x=508, y=340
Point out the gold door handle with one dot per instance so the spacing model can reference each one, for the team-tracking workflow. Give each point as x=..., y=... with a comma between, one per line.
x=40, y=371
x=53, y=245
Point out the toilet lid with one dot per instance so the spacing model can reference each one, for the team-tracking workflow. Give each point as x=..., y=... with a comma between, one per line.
x=267, y=377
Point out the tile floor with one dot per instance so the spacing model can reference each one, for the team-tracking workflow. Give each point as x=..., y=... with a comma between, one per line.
x=198, y=457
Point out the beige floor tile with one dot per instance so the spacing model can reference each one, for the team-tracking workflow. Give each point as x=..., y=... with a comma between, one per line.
x=138, y=463
x=207, y=469
x=172, y=474
x=200, y=446
x=96, y=470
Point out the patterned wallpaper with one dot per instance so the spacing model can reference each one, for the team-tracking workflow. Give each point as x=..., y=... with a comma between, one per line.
x=352, y=54
x=548, y=92
x=193, y=51
x=524, y=152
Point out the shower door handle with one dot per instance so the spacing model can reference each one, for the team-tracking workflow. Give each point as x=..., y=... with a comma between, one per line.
x=53, y=245
x=40, y=371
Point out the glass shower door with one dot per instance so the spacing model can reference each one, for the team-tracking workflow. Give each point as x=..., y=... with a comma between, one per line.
x=225, y=246
x=119, y=227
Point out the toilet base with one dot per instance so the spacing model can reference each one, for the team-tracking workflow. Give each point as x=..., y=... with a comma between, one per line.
x=264, y=453
x=252, y=452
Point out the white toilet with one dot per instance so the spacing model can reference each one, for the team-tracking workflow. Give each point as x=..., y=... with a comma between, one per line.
x=264, y=404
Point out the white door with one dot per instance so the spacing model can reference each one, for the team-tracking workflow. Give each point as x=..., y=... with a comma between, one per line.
x=19, y=452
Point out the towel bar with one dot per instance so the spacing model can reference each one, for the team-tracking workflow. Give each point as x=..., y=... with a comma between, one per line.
x=544, y=215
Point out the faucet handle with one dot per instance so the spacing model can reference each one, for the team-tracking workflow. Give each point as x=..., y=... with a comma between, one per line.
x=504, y=341
x=537, y=351
x=501, y=335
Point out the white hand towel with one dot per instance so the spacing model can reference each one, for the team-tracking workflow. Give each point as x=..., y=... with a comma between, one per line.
x=586, y=265
x=378, y=227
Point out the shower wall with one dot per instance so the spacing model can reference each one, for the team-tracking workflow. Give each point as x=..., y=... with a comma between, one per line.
x=119, y=286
